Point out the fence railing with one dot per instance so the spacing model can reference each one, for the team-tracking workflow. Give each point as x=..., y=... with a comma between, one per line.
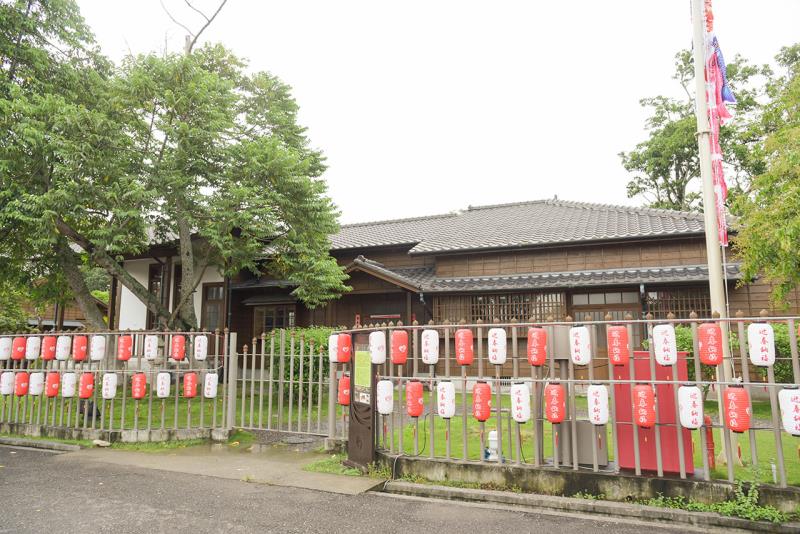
x=579, y=395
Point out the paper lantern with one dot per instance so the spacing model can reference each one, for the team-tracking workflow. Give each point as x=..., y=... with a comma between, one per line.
x=124, y=347
x=63, y=346
x=344, y=346
x=333, y=351
x=190, y=385
x=430, y=347
x=520, y=403
x=497, y=346
x=761, y=344
x=163, y=380
x=18, y=348
x=138, y=386
x=737, y=408
x=210, y=385
x=482, y=401
x=97, y=349
x=445, y=399
x=690, y=407
x=580, y=345
x=464, y=349
x=344, y=390
x=618, y=346
x=178, y=347
x=36, y=383
x=709, y=343
x=385, y=400
x=200, y=347
x=7, y=383
x=5, y=348
x=399, y=347
x=80, y=344
x=555, y=404
x=597, y=397
x=537, y=346
x=86, y=385
x=377, y=347
x=109, y=388
x=51, y=384
x=414, y=398
x=33, y=347
x=49, y=348
x=68, y=383
x=789, y=401
x=21, y=382
x=665, y=347
x=150, y=347
x=644, y=405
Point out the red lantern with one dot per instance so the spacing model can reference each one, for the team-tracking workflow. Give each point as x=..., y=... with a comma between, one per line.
x=399, y=347
x=178, y=351
x=49, y=348
x=124, y=347
x=464, y=351
x=190, y=385
x=481, y=400
x=644, y=405
x=737, y=408
x=51, y=384
x=79, y=346
x=537, y=346
x=710, y=343
x=21, y=381
x=86, y=387
x=138, y=386
x=617, y=342
x=414, y=398
x=555, y=404
x=344, y=346
x=18, y=348
x=344, y=389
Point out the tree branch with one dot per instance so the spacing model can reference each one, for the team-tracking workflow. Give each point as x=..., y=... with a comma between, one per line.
x=209, y=21
x=196, y=10
x=173, y=18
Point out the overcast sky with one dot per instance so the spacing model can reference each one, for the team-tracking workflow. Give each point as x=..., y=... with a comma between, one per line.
x=430, y=106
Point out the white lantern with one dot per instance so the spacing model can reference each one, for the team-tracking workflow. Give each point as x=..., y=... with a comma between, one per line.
x=162, y=385
x=520, y=403
x=5, y=348
x=36, y=383
x=377, y=347
x=150, y=347
x=210, y=385
x=761, y=344
x=333, y=348
x=7, y=383
x=97, y=350
x=385, y=399
x=597, y=397
x=446, y=399
x=497, y=346
x=690, y=407
x=664, y=345
x=68, y=381
x=789, y=401
x=580, y=345
x=200, y=347
x=63, y=346
x=33, y=347
x=109, y=386
x=430, y=347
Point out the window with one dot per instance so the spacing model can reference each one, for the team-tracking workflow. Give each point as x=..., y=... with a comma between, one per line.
x=266, y=318
x=213, y=307
x=604, y=298
x=681, y=301
x=503, y=306
x=155, y=276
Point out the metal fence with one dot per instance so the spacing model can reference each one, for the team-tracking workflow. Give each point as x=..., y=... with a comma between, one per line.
x=615, y=438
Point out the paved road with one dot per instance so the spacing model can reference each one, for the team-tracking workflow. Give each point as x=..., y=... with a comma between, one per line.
x=42, y=493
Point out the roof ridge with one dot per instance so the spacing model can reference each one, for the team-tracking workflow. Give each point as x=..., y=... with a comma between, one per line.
x=402, y=219
x=591, y=205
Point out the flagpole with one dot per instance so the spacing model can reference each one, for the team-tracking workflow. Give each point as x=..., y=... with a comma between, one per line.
x=714, y=256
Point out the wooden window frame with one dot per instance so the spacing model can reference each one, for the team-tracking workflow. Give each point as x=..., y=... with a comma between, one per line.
x=204, y=302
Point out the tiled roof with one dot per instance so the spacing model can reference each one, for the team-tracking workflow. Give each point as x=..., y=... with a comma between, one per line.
x=538, y=222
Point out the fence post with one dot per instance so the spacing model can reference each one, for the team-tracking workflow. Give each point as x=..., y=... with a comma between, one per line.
x=332, y=400
x=232, y=372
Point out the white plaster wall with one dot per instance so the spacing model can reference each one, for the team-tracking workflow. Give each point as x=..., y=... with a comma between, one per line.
x=132, y=312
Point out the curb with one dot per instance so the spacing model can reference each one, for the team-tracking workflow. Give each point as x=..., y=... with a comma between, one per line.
x=607, y=508
x=39, y=444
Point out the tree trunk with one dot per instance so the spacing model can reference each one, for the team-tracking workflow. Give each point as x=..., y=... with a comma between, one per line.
x=68, y=259
x=186, y=311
